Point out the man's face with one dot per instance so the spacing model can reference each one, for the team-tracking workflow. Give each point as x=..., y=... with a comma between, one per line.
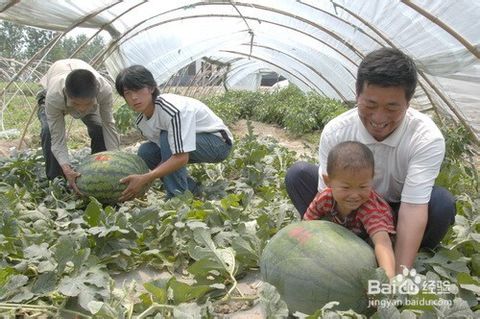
x=82, y=105
x=381, y=109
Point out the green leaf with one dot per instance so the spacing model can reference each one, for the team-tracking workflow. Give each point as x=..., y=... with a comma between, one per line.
x=272, y=304
x=183, y=292
x=102, y=310
x=15, y=287
x=459, y=309
x=85, y=285
x=389, y=311
x=37, y=252
x=224, y=256
x=202, y=270
x=467, y=282
x=192, y=310
x=5, y=274
x=71, y=286
x=8, y=224
x=159, y=294
x=93, y=213
x=45, y=283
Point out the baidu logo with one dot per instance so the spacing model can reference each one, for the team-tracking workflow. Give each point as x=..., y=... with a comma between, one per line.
x=408, y=282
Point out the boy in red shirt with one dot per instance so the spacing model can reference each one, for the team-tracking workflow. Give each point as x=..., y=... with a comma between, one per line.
x=349, y=200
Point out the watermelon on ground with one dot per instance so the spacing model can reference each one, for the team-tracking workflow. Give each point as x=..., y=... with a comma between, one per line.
x=101, y=173
x=314, y=262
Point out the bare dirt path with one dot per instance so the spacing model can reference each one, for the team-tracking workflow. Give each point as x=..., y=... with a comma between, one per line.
x=297, y=144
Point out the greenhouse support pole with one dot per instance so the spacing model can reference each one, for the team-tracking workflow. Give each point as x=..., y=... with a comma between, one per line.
x=309, y=67
x=460, y=116
x=470, y=47
x=114, y=44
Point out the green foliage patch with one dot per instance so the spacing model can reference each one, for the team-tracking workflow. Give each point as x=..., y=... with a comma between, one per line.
x=299, y=113
x=57, y=249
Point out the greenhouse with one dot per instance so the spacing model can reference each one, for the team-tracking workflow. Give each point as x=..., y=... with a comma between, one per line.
x=275, y=72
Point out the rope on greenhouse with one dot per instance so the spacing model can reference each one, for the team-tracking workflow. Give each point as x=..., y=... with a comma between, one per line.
x=10, y=4
x=250, y=31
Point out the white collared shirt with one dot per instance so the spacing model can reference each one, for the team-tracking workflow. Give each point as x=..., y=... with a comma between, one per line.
x=406, y=163
x=182, y=117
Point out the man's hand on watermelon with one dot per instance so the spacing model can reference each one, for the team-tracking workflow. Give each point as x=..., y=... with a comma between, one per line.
x=135, y=184
x=71, y=175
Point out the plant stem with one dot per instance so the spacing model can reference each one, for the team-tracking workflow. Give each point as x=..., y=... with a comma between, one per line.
x=153, y=307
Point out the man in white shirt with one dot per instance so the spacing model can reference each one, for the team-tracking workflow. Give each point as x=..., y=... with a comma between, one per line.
x=73, y=87
x=408, y=149
x=180, y=130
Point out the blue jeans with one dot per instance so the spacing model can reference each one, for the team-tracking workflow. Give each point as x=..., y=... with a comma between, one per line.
x=209, y=149
x=301, y=182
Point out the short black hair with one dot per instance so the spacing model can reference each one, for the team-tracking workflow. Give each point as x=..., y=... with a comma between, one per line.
x=81, y=83
x=135, y=77
x=349, y=155
x=388, y=67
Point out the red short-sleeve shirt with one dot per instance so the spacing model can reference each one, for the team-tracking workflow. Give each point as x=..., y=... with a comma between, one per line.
x=372, y=216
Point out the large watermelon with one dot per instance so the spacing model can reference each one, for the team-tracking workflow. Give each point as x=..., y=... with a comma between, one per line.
x=101, y=172
x=314, y=262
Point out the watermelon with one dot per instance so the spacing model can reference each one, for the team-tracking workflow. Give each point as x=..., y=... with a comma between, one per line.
x=101, y=172
x=314, y=262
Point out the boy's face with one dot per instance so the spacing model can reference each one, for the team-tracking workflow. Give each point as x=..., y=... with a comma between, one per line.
x=381, y=109
x=139, y=100
x=350, y=188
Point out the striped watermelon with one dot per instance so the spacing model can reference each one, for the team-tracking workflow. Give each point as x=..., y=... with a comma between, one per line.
x=101, y=172
x=314, y=262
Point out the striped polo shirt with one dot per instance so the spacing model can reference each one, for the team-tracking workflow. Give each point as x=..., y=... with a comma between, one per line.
x=372, y=216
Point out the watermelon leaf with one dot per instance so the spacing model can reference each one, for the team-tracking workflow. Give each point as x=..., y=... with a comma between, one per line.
x=272, y=304
x=93, y=213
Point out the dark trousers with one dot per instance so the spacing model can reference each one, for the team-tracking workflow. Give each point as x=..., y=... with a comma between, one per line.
x=301, y=182
x=94, y=127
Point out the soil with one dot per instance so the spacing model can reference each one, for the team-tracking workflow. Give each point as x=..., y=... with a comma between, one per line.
x=297, y=144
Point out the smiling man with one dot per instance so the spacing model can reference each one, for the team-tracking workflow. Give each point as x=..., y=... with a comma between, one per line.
x=73, y=87
x=407, y=146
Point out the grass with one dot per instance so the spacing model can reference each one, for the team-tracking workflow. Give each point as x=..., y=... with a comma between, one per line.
x=19, y=109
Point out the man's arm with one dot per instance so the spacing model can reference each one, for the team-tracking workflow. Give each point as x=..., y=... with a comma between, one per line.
x=412, y=220
x=56, y=124
x=384, y=252
x=105, y=105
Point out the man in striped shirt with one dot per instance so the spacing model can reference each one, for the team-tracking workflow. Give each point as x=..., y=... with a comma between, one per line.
x=350, y=200
x=180, y=130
